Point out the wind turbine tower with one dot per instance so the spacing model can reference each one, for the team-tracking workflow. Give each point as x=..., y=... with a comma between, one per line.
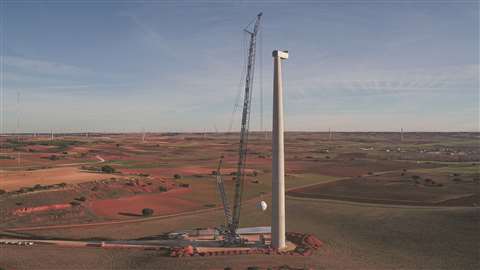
x=278, y=161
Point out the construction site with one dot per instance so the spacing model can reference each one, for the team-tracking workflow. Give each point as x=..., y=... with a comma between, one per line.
x=240, y=200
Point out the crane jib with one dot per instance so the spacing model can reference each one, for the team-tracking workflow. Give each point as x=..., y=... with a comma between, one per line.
x=242, y=156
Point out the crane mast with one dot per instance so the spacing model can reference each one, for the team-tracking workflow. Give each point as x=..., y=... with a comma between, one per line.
x=242, y=151
x=233, y=219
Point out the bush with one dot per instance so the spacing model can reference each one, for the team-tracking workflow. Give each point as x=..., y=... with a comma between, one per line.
x=177, y=176
x=2, y=191
x=74, y=203
x=415, y=177
x=108, y=169
x=147, y=212
x=82, y=199
x=53, y=157
x=162, y=188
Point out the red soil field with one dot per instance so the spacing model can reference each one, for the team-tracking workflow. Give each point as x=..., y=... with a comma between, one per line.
x=162, y=204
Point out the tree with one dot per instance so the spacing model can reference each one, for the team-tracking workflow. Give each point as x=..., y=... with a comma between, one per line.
x=2, y=191
x=108, y=169
x=177, y=176
x=147, y=212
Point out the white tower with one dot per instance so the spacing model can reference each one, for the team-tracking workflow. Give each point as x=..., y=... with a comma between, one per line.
x=278, y=162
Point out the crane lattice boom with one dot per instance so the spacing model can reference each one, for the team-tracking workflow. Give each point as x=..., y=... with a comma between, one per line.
x=233, y=219
x=242, y=151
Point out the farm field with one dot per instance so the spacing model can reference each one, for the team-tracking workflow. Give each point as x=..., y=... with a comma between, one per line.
x=424, y=187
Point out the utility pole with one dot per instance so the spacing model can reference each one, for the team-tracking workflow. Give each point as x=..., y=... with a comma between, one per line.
x=401, y=134
x=278, y=161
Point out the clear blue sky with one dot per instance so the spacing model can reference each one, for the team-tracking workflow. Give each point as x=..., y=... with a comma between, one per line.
x=176, y=66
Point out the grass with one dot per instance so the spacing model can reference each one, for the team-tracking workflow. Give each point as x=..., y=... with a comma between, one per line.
x=457, y=168
x=131, y=164
x=204, y=190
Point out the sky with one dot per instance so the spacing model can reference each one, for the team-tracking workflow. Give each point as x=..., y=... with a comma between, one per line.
x=126, y=66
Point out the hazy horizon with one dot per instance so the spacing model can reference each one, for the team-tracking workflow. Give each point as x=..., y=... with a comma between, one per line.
x=175, y=67
x=226, y=132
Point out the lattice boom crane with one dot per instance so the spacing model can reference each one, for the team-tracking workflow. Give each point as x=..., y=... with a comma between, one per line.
x=233, y=219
